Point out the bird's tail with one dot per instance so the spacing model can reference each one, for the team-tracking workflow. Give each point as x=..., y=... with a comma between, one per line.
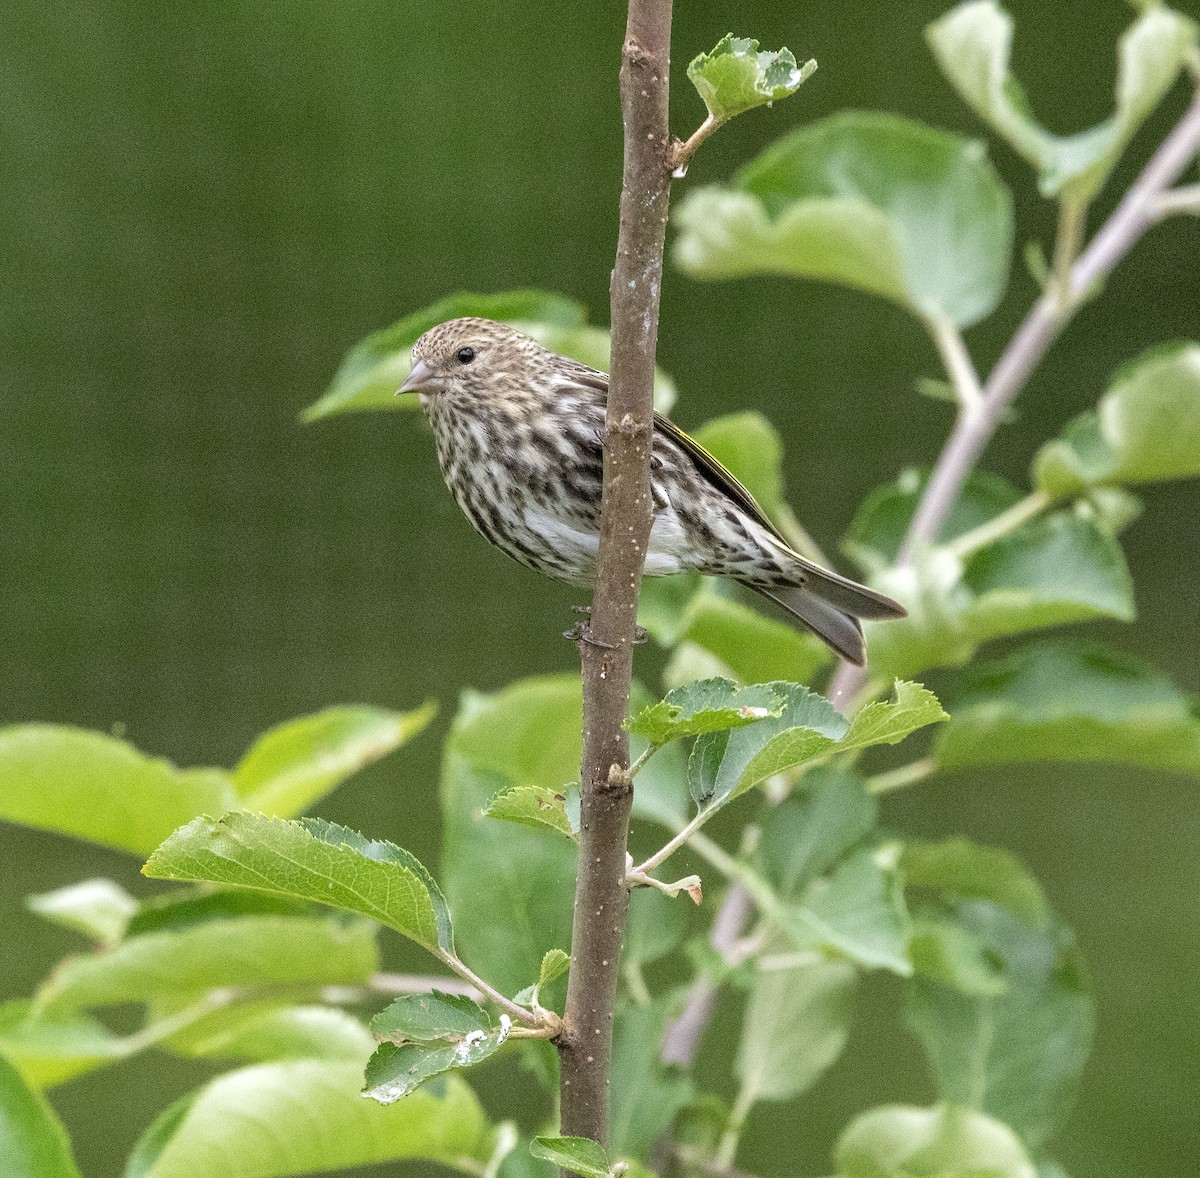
x=830, y=606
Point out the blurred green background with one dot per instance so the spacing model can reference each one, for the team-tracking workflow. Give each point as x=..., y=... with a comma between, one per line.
x=205, y=202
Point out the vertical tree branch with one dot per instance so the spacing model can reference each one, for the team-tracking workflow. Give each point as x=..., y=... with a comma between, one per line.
x=606, y=650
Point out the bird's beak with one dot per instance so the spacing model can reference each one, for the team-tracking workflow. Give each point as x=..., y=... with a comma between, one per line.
x=421, y=377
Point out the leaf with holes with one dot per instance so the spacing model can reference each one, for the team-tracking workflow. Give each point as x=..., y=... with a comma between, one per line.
x=736, y=76
x=708, y=705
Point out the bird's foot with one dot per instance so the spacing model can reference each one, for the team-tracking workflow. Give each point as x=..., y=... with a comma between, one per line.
x=582, y=632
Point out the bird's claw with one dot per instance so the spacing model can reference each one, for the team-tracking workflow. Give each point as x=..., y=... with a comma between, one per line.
x=640, y=637
x=582, y=632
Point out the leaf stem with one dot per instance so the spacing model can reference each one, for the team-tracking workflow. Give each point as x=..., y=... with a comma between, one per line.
x=639, y=764
x=956, y=360
x=682, y=1038
x=1001, y=525
x=673, y=844
x=682, y=151
x=727, y=1149
x=1184, y=199
x=1072, y=224
x=908, y=774
x=489, y=991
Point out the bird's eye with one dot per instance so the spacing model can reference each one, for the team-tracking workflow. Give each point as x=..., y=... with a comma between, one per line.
x=466, y=355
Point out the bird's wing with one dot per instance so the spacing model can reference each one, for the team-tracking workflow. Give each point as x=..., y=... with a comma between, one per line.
x=717, y=474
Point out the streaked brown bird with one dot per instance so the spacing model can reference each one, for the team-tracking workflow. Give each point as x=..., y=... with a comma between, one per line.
x=519, y=433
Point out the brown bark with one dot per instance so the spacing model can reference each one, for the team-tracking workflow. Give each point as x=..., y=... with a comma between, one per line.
x=606, y=651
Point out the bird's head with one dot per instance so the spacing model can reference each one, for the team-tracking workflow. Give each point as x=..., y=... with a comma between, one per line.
x=469, y=357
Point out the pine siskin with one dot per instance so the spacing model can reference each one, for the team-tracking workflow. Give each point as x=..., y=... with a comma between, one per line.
x=519, y=433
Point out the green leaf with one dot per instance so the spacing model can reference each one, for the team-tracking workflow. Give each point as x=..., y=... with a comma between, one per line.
x=972, y=45
x=896, y=1141
x=644, y=1095
x=305, y=1116
x=879, y=526
x=1145, y=429
x=555, y=963
x=754, y=647
x=426, y=1035
x=98, y=908
x=296, y=764
x=243, y=951
x=427, y=1018
x=181, y=907
x=1050, y=572
x=528, y=733
x=536, y=806
x=735, y=76
x=880, y=722
x=663, y=603
x=1015, y=1055
x=510, y=887
x=934, y=634
x=961, y=868
x=101, y=789
x=858, y=912
x=33, y=1142
x=376, y=367
x=796, y=1024
x=267, y=1031
x=871, y=201
x=943, y=950
x=751, y=448
x=581, y=1155
x=311, y=859
x=1071, y=701
x=806, y=835
x=725, y=765
x=50, y=1047
x=709, y=705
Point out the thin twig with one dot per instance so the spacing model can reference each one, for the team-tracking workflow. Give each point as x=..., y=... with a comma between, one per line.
x=606, y=651
x=673, y=844
x=1135, y=213
x=489, y=991
x=412, y=983
x=1072, y=225
x=681, y=152
x=1042, y=326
